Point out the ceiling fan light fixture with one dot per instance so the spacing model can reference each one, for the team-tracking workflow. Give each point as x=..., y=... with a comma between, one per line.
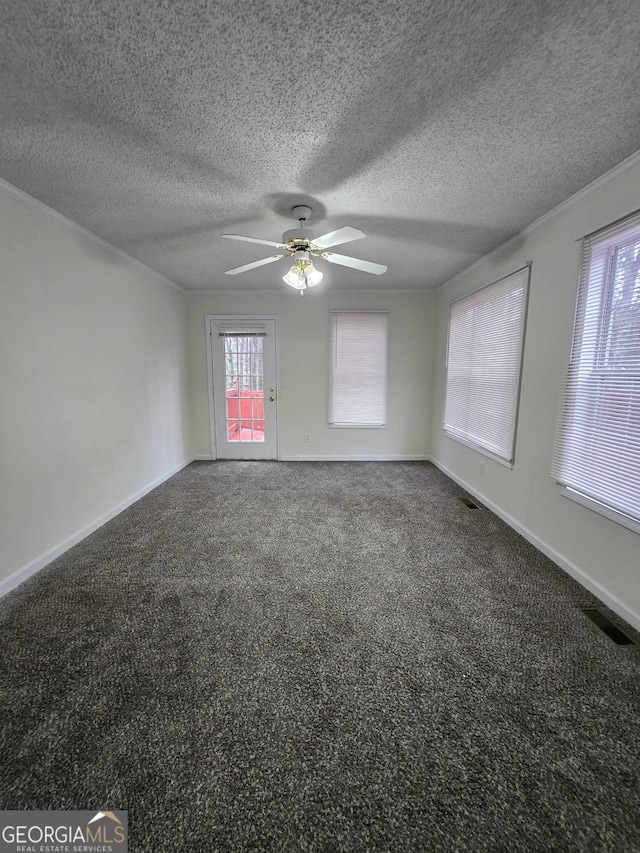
x=314, y=276
x=294, y=278
x=302, y=275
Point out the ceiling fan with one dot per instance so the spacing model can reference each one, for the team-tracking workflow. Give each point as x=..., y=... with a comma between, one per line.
x=302, y=249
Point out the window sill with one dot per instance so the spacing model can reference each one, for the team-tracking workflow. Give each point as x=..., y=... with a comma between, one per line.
x=358, y=426
x=478, y=448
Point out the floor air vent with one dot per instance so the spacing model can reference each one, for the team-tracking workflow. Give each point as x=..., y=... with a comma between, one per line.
x=469, y=503
x=605, y=624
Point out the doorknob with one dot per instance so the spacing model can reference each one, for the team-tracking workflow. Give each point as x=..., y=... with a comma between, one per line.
x=272, y=390
x=272, y=398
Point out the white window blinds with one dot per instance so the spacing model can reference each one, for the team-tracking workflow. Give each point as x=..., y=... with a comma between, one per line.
x=359, y=343
x=486, y=334
x=597, y=449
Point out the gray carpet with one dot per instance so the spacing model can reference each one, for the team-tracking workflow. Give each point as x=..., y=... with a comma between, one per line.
x=319, y=657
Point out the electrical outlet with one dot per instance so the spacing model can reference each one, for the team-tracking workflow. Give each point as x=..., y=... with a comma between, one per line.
x=482, y=464
x=306, y=437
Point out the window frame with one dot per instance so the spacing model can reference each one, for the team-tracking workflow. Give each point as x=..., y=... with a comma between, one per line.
x=458, y=435
x=332, y=332
x=596, y=285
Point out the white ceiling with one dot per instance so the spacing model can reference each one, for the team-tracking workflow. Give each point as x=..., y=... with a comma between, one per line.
x=438, y=128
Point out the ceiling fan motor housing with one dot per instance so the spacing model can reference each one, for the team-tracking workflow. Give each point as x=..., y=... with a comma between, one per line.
x=296, y=238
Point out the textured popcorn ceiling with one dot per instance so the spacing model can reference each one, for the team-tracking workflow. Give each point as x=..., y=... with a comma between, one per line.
x=438, y=128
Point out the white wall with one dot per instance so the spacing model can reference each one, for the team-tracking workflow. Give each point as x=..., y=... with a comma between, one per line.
x=601, y=553
x=303, y=368
x=93, y=401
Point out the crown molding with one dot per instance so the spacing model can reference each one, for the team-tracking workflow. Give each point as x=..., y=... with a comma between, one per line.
x=39, y=207
x=614, y=174
x=272, y=291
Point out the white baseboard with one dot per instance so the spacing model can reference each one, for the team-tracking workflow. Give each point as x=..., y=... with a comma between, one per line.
x=357, y=458
x=560, y=560
x=344, y=458
x=40, y=562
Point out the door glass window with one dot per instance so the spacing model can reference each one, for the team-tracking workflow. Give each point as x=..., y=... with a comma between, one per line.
x=244, y=385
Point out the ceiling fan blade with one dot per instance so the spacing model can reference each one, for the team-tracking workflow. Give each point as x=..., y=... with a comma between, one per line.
x=253, y=265
x=356, y=263
x=334, y=238
x=254, y=240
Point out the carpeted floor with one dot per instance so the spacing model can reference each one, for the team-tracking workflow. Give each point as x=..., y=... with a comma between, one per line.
x=319, y=657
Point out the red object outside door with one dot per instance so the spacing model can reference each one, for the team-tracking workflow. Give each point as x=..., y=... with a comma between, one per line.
x=245, y=410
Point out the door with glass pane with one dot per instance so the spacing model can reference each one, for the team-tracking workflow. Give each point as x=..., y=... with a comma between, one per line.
x=244, y=388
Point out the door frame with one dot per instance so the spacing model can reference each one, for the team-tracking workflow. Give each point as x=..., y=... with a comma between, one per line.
x=210, y=319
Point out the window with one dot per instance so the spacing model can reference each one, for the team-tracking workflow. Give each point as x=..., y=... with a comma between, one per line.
x=359, y=343
x=484, y=355
x=597, y=450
